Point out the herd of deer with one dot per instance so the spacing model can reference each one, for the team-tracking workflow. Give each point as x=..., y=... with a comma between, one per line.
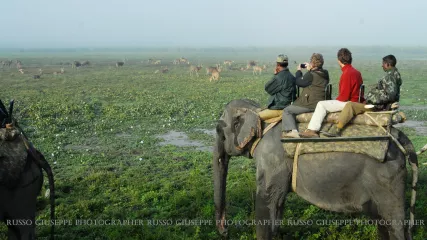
x=215, y=71
x=193, y=69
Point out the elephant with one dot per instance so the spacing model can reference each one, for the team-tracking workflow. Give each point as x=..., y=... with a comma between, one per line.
x=335, y=181
x=21, y=180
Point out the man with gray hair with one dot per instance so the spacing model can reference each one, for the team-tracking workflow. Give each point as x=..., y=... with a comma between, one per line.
x=313, y=83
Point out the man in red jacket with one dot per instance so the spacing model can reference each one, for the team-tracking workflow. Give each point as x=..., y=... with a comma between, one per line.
x=349, y=88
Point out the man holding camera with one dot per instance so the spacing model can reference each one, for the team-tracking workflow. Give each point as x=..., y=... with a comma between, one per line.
x=381, y=97
x=349, y=88
x=280, y=88
x=313, y=83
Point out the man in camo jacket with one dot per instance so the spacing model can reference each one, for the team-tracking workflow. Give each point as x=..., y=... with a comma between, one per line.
x=386, y=92
x=388, y=88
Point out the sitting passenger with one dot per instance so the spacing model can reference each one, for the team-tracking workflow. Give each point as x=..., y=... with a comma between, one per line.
x=349, y=88
x=313, y=83
x=386, y=92
x=280, y=88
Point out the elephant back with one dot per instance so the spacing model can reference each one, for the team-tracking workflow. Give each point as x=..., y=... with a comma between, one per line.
x=13, y=157
x=376, y=149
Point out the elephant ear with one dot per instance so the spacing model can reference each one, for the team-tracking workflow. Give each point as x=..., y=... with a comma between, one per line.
x=247, y=125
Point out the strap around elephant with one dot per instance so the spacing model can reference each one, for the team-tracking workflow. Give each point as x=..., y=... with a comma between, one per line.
x=295, y=167
x=268, y=128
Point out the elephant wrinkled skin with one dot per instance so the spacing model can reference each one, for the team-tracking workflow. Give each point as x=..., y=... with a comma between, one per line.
x=341, y=182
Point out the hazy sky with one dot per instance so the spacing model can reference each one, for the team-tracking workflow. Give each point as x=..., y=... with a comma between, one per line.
x=199, y=23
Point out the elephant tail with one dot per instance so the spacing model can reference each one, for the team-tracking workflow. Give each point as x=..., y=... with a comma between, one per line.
x=41, y=161
x=413, y=161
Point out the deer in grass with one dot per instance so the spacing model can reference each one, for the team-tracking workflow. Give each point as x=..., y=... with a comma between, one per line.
x=210, y=69
x=215, y=74
x=60, y=72
x=195, y=69
x=120, y=64
x=39, y=75
x=165, y=70
x=258, y=69
x=228, y=62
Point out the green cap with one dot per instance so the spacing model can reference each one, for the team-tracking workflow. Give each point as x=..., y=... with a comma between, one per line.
x=282, y=58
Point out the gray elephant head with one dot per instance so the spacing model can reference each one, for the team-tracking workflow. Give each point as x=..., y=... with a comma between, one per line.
x=236, y=130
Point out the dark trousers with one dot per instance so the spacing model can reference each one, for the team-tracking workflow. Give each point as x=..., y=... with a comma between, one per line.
x=288, y=116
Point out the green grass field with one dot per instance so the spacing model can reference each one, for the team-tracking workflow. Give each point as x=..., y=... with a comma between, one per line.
x=99, y=128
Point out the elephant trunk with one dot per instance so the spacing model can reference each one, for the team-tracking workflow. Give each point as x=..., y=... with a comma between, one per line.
x=220, y=170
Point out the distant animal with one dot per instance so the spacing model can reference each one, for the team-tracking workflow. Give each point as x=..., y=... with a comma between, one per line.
x=76, y=64
x=18, y=64
x=165, y=70
x=210, y=69
x=195, y=69
x=251, y=63
x=258, y=69
x=61, y=72
x=120, y=64
x=228, y=62
x=181, y=60
x=85, y=63
x=157, y=62
x=215, y=74
x=36, y=76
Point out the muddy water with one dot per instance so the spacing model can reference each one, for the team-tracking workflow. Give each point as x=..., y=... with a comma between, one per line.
x=211, y=132
x=180, y=139
x=419, y=126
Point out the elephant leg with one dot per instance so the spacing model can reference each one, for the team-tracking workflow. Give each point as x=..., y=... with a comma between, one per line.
x=394, y=220
x=19, y=232
x=372, y=210
x=272, y=188
x=389, y=207
x=21, y=205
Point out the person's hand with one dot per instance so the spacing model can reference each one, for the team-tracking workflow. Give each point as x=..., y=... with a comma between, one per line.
x=308, y=66
x=299, y=67
x=276, y=70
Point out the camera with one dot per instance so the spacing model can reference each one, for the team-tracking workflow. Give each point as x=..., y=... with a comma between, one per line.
x=303, y=65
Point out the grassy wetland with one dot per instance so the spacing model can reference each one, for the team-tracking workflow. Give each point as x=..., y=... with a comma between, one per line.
x=131, y=144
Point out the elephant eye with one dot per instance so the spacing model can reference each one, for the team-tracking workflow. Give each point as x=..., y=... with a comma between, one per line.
x=236, y=124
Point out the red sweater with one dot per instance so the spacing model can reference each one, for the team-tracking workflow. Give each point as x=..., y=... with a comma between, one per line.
x=350, y=83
